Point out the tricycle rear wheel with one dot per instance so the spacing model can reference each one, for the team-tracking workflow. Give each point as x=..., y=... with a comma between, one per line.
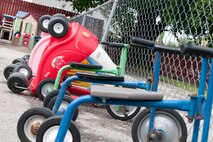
x=167, y=123
x=30, y=121
x=44, y=87
x=64, y=104
x=122, y=113
x=52, y=94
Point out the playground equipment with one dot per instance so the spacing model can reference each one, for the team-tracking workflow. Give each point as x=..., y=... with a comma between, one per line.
x=162, y=123
x=7, y=27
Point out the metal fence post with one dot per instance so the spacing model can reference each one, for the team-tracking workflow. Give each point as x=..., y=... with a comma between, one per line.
x=109, y=20
x=83, y=22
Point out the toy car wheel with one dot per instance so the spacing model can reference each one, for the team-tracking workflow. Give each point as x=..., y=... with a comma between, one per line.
x=26, y=57
x=59, y=15
x=24, y=69
x=49, y=129
x=9, y=70
x=17, y=82
x=64, y=104
x=30, y=122
x=50, y=95
x=168, y=123
x=18, y=60
x=43, y=22
x=58, y=27
x=122, y=113
x=44, y=87
x=27, y=61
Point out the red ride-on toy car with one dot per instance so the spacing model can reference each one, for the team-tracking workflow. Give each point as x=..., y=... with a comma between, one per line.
x=69, y=42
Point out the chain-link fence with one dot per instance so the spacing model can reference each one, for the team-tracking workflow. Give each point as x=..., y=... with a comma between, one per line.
x=167, y=22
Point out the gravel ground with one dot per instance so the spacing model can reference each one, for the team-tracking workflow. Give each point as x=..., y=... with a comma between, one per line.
x=94, y=123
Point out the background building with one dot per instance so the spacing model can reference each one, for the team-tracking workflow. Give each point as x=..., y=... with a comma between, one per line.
x=61, y=4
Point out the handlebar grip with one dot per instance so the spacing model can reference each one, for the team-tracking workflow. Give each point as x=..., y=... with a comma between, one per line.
x=114, y=44
x=143, y=42
x=167, y=49
x=194, y=50
x=105, y=42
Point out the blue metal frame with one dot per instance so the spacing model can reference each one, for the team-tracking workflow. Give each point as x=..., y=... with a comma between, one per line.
x=208, y=106
x=200, y=95
x=184, y=105
x=141, y=85
x=156, y=72
x=194, y=106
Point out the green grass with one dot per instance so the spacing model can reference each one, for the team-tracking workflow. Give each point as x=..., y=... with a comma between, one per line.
x=180, y=84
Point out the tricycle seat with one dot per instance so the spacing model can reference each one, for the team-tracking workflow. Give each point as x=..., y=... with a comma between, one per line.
x=86, y=66
x=102, y=77
x=124, y=93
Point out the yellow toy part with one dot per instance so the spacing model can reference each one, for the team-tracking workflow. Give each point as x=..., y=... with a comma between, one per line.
x=79, y=83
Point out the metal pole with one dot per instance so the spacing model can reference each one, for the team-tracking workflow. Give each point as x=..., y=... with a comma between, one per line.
x=91, y=10
x=109, y=20
x=83, y=22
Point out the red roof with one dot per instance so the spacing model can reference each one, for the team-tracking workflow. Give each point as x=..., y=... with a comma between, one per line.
x=34, y=15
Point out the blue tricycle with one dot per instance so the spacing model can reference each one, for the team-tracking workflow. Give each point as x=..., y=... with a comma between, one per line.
x=160, y=122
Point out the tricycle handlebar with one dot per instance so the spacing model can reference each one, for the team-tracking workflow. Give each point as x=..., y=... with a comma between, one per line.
x=193, y=50
x=114, y=44
x=150, y=44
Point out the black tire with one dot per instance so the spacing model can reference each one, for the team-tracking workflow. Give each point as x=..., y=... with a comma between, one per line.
x=60, y=24
x=66, y=99
x=24, y=69
x=55, y=121
x=26, y=57
x=19, y=60
x=171, y=114
x=43, y=23
x=59, y=15
x=42, y=84
x=8, y=70
x=25, y=119
x=51, y=95
x=27, y=61
x=19, y=80
x=124, y=116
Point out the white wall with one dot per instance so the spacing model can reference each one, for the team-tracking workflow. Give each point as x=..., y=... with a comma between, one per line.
x=53, y=3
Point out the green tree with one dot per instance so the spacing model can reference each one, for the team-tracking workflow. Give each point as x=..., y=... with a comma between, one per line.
x=138, y=18
x=193, y=17
x=83, y=5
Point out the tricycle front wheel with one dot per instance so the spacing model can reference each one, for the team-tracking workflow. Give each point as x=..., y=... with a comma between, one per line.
x=49, y=129
x=30, y=121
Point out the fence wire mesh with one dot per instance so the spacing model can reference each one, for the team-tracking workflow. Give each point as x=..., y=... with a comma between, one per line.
x=167, y=22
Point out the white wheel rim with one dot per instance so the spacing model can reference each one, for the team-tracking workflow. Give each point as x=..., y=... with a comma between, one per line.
x=58, y=28
x=51, y=133
x=46, y=88
x=24, y=71
x=120, y=112
x=45, y=23
x=27, y=126
x=63, y=106
x=163, y=121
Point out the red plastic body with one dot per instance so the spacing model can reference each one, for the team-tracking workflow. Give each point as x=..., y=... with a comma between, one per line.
x=75, y=46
